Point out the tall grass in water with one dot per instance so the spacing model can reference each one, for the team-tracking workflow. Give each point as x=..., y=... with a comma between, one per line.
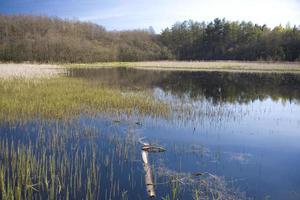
x=70, y=162
x=64, y=162
x=63, y=98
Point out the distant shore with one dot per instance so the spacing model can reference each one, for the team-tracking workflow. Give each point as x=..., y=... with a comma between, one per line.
x=35, y=70
x=221, y=66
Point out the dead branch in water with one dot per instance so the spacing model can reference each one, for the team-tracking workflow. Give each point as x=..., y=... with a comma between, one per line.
x=146, y=149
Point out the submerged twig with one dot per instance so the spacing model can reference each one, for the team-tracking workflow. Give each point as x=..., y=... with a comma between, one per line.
x=146, y=148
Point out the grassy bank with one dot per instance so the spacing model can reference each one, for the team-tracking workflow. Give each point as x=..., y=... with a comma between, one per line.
x=227, y=66
x=62, y=98
x=222, y=66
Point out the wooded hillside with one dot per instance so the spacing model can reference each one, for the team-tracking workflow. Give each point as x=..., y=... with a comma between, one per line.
x=44, y=39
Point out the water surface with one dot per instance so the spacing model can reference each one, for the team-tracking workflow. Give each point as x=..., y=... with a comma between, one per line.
x=241, y=132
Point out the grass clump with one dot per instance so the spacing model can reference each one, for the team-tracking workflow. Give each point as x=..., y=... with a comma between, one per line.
x=63, y=98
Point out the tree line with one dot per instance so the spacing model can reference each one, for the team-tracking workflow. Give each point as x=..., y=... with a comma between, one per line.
x=225, y=40
x=44, y=39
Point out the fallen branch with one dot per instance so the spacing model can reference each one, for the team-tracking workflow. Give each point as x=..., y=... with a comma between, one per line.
x=146, y=148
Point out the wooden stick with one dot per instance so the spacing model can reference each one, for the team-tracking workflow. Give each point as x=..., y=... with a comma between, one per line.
x=148, y=175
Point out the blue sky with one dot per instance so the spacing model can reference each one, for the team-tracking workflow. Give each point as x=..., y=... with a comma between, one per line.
x=130, y=14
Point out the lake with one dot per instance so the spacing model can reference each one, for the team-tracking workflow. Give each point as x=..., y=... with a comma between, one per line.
x=230, y=136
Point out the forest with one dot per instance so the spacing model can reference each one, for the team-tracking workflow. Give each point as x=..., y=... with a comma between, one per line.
x=44, y=39
x=51, y=39
x=225, y=40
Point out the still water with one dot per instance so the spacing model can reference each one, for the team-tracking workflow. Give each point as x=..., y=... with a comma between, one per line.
x=239, y=139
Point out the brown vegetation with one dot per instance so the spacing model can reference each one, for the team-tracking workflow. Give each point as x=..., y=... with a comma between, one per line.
x=43, y=39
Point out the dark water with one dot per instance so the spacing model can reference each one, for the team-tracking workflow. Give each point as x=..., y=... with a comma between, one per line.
x=242, y=134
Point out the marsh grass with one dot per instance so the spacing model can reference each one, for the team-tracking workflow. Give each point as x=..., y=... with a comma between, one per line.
x=65, y=160
x=64, y=98
x=61, y=161
x=204, y=186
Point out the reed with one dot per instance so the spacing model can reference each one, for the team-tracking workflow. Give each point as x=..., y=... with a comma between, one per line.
x=54, y=155
x=39, y=168
x=64, y=98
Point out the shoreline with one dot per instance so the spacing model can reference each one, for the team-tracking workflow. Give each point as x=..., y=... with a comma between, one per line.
x=208, y=66
x=42, y=70
x=29, y=71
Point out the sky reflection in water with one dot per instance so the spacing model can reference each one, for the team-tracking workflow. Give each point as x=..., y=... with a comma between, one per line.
x=243, y=128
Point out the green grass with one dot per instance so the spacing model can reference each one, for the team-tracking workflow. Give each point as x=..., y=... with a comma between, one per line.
x=227, y=66
x=54, y=166
x=63, y=98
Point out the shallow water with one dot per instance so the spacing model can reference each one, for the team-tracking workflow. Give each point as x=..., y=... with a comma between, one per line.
x=241, y=133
